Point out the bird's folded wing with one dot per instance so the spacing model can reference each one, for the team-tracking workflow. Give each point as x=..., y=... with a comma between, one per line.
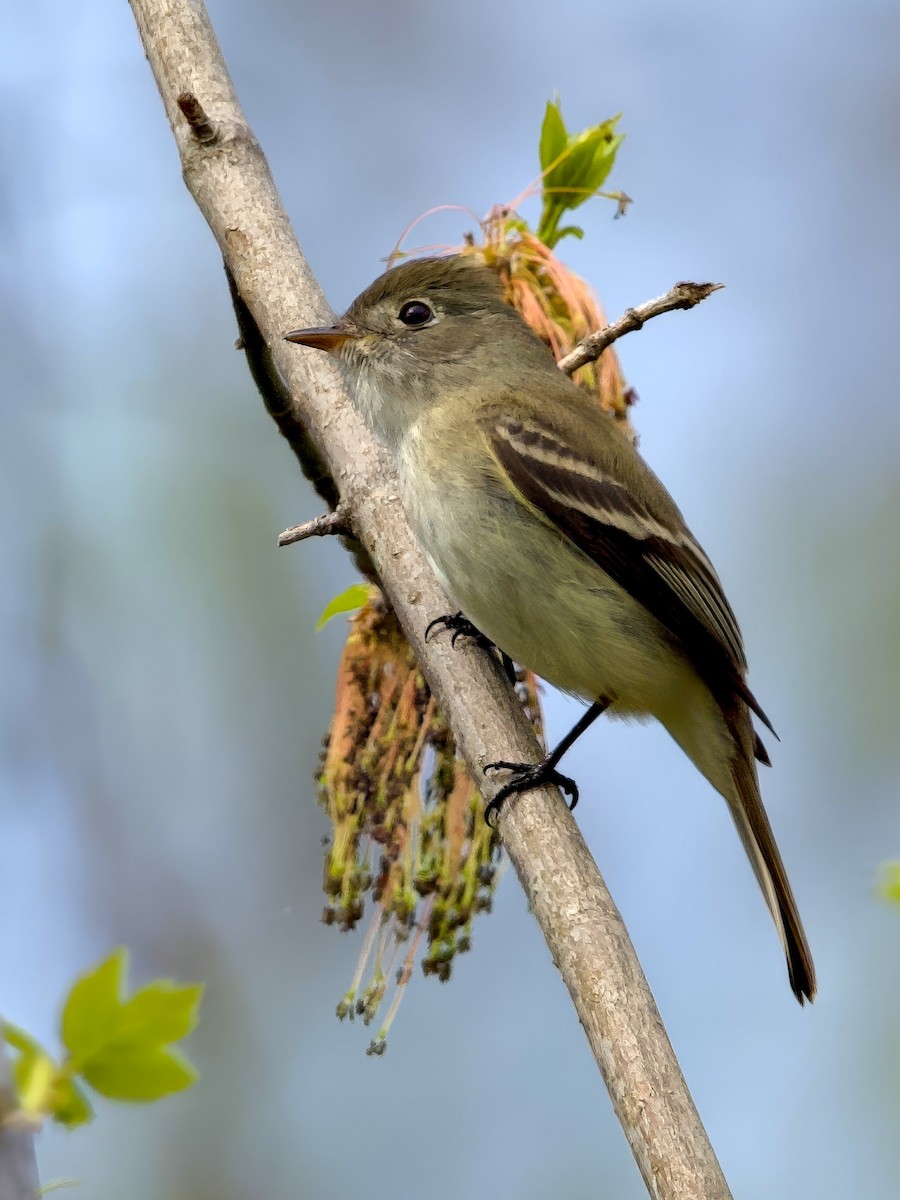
x=657, y=562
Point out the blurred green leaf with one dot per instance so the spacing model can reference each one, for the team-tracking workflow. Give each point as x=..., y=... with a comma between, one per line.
x=349, y=600
x=889, y=882
x=574, y=166
x=140, y=1074
x=553, y=135
x=163, y=1011
x=71, y=1106
x=45, y=1088
x=33, y=1071
x=120, y=1046
x=92, y=1005
x=20, y=1040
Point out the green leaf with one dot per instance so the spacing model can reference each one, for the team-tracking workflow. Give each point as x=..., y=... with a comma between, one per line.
x=139, y=1074
x=44, y=1087
x=70, y=1105
x=20, y=1040
x=352, y=598
x=93, y=1005
x=553, y=135
x=162, y=1012
x=574, y=168
x=889, y=883
x=121, y=1045
x=33, y=1071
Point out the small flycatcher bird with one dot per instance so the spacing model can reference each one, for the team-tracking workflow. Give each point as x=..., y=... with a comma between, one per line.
x=553, y=536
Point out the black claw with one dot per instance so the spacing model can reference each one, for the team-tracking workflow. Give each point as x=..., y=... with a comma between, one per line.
x=462, y=627
x=525, y=777
x=447, y=621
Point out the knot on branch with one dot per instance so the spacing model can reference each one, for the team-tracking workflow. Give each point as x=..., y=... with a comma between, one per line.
x=194, y=113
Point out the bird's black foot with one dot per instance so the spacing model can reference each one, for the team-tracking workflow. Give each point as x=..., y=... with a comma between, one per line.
x=529, y=775
x=462, y=627
x=525, y=777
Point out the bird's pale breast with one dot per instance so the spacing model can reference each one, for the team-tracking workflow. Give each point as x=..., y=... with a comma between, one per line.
x=536, y=596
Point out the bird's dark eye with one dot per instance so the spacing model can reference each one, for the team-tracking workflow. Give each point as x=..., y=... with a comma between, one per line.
x=415, y=312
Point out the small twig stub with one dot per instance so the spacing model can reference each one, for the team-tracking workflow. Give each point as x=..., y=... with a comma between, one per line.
x=194, y=113
x=333, y=523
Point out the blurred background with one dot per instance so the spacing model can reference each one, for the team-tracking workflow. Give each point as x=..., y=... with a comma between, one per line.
x=164, y=693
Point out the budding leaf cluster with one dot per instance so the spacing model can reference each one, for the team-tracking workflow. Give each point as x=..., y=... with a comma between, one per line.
x=574, y=167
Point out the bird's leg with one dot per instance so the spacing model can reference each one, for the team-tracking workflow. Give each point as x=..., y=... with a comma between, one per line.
x=463, y=627
x=530, y=775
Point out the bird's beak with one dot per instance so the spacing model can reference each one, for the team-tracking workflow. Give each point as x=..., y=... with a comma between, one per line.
x=325, y=337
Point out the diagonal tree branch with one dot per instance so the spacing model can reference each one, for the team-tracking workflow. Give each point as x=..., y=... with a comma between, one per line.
x=229, y=178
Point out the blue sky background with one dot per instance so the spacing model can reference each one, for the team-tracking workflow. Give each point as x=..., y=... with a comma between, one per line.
x=164, y=693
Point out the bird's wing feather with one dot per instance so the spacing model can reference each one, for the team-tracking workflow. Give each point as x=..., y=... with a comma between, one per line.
x=656, y=561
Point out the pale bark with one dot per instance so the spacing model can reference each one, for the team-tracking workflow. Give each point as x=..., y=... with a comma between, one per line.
x=228, y=176
x=18, y=1164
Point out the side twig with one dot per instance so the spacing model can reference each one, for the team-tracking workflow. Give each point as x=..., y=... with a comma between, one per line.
x=682, y=295
x=337, y=522
x=232, y=184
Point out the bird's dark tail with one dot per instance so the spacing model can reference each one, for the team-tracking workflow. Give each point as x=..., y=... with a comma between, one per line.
x=759, y=842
